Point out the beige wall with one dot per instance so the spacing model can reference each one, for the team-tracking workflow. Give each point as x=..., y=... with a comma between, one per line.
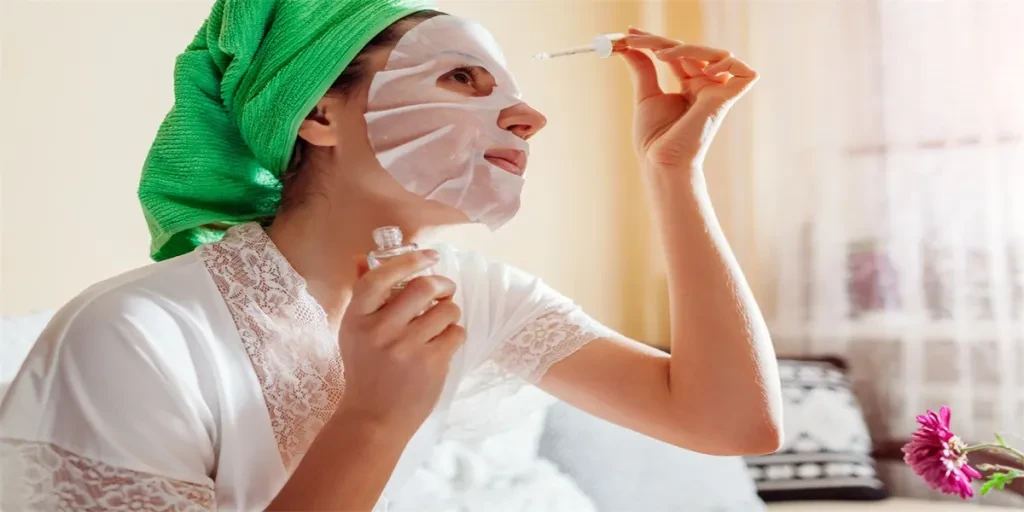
x=83, y=87
x=84, y=84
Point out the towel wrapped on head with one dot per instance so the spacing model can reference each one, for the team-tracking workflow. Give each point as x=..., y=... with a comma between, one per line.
x=241, y=89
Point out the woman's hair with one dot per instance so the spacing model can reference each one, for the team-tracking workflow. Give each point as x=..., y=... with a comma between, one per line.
x=353, y=75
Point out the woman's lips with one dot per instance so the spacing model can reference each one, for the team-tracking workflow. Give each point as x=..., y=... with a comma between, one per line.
x=510, y=160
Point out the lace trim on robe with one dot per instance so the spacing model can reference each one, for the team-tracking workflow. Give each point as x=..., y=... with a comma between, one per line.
x=284, y=330
x=52, y=478
x=546, y=340
x=487, y=401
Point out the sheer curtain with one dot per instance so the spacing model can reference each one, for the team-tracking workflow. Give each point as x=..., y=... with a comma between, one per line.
x=880, y=167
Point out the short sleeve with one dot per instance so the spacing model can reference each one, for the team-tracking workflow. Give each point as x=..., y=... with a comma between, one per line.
x=107, y=414
x=518, y=328
x=532, y=325
x=539, y=326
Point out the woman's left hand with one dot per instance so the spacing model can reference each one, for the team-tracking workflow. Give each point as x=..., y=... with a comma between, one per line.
x=674, y=130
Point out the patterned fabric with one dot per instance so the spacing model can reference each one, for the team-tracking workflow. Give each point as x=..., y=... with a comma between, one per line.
x=285, y=332
x=303, y=382
x=826, y=454
x=58, y=479
x=546, y=340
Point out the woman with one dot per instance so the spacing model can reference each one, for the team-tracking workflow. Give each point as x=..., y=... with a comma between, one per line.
x=268, y=367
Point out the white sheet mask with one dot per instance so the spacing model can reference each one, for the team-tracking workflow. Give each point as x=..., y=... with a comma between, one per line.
x=432, y=140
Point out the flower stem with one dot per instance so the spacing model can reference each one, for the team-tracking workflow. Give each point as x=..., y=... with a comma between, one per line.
x=998, y=467
x=1017, y=454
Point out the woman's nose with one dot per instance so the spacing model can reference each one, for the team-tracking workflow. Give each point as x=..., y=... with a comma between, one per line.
x=522, y=120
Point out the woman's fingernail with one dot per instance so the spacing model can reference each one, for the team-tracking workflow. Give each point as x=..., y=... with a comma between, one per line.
x=432, y=255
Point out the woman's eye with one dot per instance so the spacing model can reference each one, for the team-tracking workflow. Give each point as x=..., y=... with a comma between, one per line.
x=463, y=77
x=473, y=81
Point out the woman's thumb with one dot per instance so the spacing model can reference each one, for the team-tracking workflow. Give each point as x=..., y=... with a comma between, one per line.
x=644, y=72
x=362, y=266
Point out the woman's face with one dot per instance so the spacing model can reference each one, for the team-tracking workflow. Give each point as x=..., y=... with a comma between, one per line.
x=442, y=115
x=468, y=65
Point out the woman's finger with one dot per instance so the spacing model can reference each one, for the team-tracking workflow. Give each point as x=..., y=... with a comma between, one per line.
x=416, y=298
x=374, y=288
x=433, y=322
x=448, y=342
x=733, y=66
x=692, y=51
x=650, y=42
x=645, y=75
x=362, y=266
x=691, y=67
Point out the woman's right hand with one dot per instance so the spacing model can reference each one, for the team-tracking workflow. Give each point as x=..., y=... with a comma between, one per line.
x=397, y=359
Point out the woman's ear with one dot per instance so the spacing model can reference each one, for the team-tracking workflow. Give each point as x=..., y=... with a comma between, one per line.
x=320, y=126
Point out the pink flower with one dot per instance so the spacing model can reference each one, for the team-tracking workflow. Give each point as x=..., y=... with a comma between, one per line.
x=937, y=455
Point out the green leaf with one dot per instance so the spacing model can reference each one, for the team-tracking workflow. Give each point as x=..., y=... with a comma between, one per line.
x=987, y=487
x=1001, y=442
x=999, y=481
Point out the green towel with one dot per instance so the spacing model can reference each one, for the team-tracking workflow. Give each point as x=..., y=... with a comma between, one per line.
x=251, y=75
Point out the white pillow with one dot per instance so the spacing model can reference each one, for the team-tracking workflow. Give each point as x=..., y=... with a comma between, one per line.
x=17, y=334
x=459, y=479
x=623, y=471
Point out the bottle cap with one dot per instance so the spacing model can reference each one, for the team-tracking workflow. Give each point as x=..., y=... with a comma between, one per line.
x=387, y=237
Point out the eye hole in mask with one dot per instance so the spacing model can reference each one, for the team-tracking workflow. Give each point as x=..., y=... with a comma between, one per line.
x=470, y=81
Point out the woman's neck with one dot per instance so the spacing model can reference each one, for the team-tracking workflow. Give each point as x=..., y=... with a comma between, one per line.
x=325, y=242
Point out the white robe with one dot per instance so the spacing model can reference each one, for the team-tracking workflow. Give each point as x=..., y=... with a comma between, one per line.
x=200, y=382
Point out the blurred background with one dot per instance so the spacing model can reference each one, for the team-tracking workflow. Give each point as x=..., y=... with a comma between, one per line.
x=870, y=184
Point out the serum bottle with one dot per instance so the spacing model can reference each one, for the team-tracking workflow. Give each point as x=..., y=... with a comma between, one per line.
x=389, y=245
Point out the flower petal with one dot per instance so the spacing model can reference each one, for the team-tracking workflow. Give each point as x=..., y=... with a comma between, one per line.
x=945, y=415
